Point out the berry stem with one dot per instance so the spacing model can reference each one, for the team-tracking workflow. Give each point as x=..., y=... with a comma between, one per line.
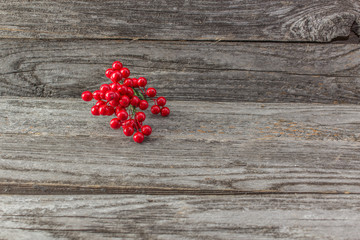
x=133, y=110
x=139, y=94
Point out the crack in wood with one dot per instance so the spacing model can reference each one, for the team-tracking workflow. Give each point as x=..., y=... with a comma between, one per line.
x=72, y=189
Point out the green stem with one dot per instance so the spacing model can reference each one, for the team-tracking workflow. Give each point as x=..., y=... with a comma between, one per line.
x=139, y=94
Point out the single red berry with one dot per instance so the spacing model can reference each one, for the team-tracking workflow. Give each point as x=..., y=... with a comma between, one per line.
x=110, y=95
x=116, y=76
x=142, y=82
x=165, y=111
x=155, y=109
x=135, y=84
x=109, y=111
x=130, y=122
x=105, y=88
x=122, y=115
x=114, y=86
x=95, y=110
x=117, y=96
x=138, y=137
x=151, y=92
x=97, y=95
x=117, y=65
x=128, y=82
x=122, y=89
x=114, y=103
x=125, y=101
x=99, y=103
x=161, y=101
x=135, y=101
x=130, y=92
x=128, y=131
x=146, y=130
x=108, y=72
x=102, y=95
x=140, y=116
x=143, y=105
x=115, y=123
x=87, y=96
x=118, y=109
x=103, y=110
x=125, y=72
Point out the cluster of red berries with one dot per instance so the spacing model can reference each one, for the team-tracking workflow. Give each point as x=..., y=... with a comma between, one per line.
x=122, y=97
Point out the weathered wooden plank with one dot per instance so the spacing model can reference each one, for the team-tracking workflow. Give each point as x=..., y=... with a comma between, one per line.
x=265, y=72
x=201, y=147
x=180, y=217
x=233, y=20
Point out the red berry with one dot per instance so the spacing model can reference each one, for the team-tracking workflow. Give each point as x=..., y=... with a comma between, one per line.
x=128, y=131
x=103, y=110
x=128, y=82
x=117, y=65
x=130, y=122
x=97, y=95
x=118, y=109
x=115, y=123
x=130, y=92
x=110, y=95
x=95, y=110
x=142, y=82
x=86, y=96
x=155, y=109
x=114, y=86
x=122, y=89
x=165, y=111
x=125, y=72
x=140, y=116
x=135, y=84
x=161, y=101
x=138, y=137
x=116, y=76
x=122, y=115
x=151, y=92
x=135, y=101
x=143, y=105
x=108, y=72
x=125, y=101
x=99, y=103
x=109, y=111
x=114, y=102
x=104, y=88
x=146, y=130
x=102, y=95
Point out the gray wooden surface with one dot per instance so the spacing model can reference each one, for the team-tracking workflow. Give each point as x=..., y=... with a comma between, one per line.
x=260, y=72
x=231, y=20
x=263, y=140
x=218, y=146
x=223, y=159
x=308, y=216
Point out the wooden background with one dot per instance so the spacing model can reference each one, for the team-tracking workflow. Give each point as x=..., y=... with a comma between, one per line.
x=263, y=140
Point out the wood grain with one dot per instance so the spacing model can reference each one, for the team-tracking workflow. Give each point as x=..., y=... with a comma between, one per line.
x=262, y=72
x=180, y=217
x=234, y=20
x=201, y=148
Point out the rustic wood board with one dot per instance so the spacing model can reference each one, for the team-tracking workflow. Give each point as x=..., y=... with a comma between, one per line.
x=180, y=217
x=234, y=20
x=263, y=72
x=56, y=146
